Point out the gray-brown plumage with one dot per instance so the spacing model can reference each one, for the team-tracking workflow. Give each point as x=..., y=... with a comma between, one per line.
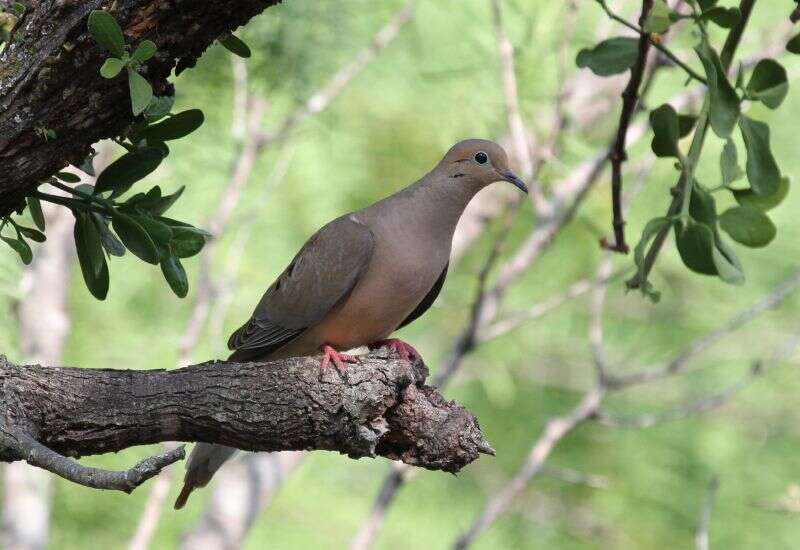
x=362, y=276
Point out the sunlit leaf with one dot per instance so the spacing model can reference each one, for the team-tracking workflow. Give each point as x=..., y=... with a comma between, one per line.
x=748, y=226
x=724, y=102
x=769, y=83
x=762, y=170
x=140, y=90
x=107, y=32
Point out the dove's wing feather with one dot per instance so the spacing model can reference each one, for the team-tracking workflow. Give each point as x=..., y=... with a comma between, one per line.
x=319, y=277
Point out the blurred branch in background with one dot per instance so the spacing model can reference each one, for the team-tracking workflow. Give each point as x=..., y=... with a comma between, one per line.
x=43, y=323
x=704, y=518
x=244, y=488
x=589, y=407
x=43, y=328
x=233, y=520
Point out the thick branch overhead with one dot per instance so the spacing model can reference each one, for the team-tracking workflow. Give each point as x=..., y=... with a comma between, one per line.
x=49, y=77
x=377, y=407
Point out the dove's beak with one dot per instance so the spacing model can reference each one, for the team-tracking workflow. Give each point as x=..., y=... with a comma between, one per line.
x=512, y=178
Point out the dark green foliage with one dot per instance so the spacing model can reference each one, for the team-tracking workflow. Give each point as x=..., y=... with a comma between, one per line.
x=609, y=57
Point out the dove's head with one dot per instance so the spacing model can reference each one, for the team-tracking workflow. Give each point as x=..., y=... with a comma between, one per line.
x=479, y=162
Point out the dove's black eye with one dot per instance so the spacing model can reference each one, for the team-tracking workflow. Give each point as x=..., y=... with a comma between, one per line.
x=481, y=157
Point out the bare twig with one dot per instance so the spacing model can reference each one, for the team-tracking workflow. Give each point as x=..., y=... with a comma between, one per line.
x=618, y=155
x=699, y=345
x=704, y=518
x=320, y=100
x=519, y=134
x=554, y=431
x=36, y=454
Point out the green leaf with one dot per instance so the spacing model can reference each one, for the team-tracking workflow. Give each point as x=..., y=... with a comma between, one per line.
x=725, y=105
x=165, y=203
x=762, y=170
x=141, y=92
x=706, y=5
x=20, y=247
x=135, y=238
x=748, y=226
x=107, y=32
x=159, y=107
x=702, y=206
x=724, y=17
x=728, y=267
x=175, y=127
x=32, y=234
x=111, y=67
x=686, y=124
x=612, y=56
x=695, y=245
x=175, y=275
x=131, y=167
x=144, y=51
x=652, y=228
x=68, y=177
x=159, y=232
x=110, y=242
x=768, y=84
x=35, y=209
x=793, y=46
x=659, y=19
x=729, y=164
x=666, y=131
x=187, y=241
x=234, y=45
x=746, y=197
x=90, y=256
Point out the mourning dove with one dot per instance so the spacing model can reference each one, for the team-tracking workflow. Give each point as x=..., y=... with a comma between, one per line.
x=361, y=277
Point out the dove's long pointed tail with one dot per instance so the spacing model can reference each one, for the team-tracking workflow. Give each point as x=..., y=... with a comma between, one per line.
x=203, y=463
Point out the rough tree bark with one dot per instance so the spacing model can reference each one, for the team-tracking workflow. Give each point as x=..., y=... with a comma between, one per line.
x=49, y=77
x=378, y=407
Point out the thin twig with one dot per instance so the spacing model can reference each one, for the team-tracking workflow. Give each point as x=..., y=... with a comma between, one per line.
x=704, y=518
x=519, y=134
x=655, y=43
x=320, y=100
x=618, y=154
x=554, y=431
x=785, y=289
x=36, y=454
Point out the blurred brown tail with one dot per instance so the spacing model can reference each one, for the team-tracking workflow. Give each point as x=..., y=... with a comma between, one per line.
x=180, y=502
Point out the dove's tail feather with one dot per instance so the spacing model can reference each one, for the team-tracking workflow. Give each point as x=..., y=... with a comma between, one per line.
x=203, y=463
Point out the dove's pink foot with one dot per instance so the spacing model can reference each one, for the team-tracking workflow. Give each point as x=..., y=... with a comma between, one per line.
x=330, y=355
x=404, y=350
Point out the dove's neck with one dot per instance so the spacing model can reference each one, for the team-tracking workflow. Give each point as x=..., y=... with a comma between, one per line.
x=428, y=209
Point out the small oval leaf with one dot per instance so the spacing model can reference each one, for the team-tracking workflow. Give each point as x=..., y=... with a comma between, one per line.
x=107, y=32
x=609, y=57
x=762, y=170
x=748, y=226
x=111, y=67
x=175, y=275
x=234, y=45
x=131, y=167
x=175, y=127
x=141, y=92
x=135, y=238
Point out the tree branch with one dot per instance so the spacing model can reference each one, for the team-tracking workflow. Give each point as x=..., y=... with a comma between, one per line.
x=379, y=407
x=49, y=77
x=618, y=156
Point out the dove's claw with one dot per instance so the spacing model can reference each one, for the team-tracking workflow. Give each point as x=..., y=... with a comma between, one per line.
x=330, y=355
x=404, y=350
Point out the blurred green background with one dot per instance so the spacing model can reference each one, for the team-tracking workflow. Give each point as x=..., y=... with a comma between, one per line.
x=439, y=82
